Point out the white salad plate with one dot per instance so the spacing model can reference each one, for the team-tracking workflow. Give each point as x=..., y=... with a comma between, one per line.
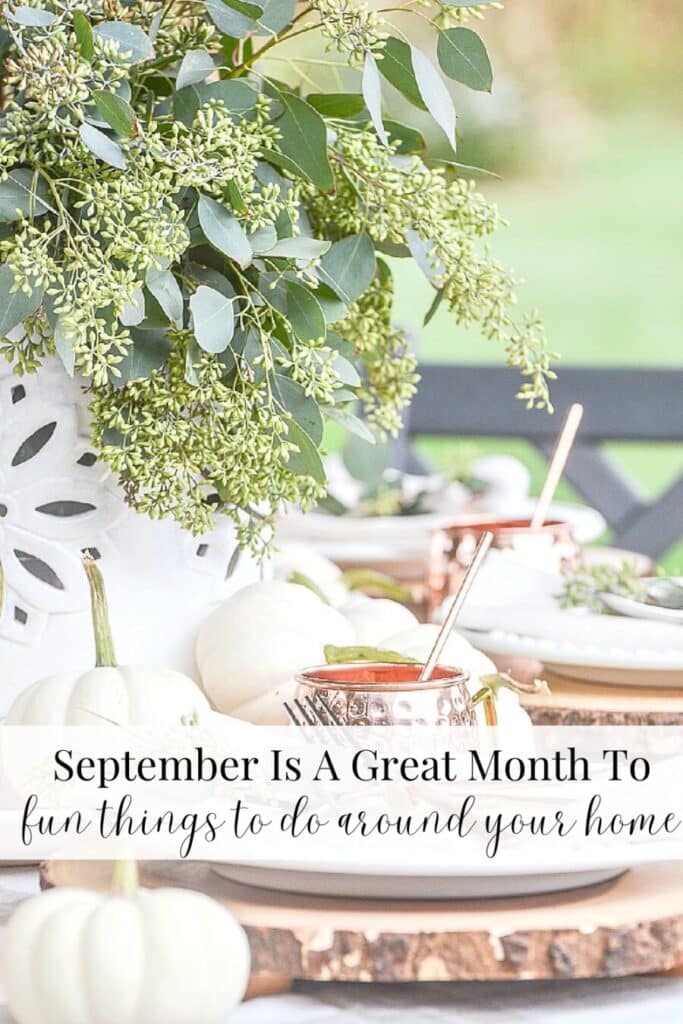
x=634, y=608
x=599, y=648
x=432, y=882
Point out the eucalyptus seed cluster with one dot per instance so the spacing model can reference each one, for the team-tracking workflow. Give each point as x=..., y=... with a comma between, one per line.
x=352, y=27
x=202, y=242
x=216, y=151
x=390, y=377
x=181, y=449
x=55, y=84
x=445, y=222
x=460, y=15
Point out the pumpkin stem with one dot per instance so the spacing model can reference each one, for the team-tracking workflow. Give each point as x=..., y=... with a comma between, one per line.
x=125, y=877
x=105, y=656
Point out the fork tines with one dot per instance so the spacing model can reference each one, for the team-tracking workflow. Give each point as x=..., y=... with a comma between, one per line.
x=313, y=710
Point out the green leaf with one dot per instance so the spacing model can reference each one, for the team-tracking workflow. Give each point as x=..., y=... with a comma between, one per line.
x=397, y=67
x=341, y=345
x=435, y=94
x=304, y=312
x=130, y=39
x=332, y=306
x=306, y=461
x=192, y=359
x=237, y=96
x=376, y=583
x=348, y=267
x=364, y=654
x=15, y=306
x=195, y=67
x=224, y=231
x=299, y=248
x=213, y=279
x=346, y=371
x=118, y=114
x=238, y=18
x=134, y=311
x=277, y=14
x=263, y=239
x=303, y=142
x=101, y=146
x=32, y=17
x=431, y=312
x=213, y=319
x=303, y=408
x=337, y=104
x=407, y=140
x=166, y=290
x=83, y=30
x=463, y=57
x=149, y=351
x=350, y=422
x=421, y=249
x=64, y=346
x=366, y=462
x=372, y=94
x=235, y=20
x=23, y=194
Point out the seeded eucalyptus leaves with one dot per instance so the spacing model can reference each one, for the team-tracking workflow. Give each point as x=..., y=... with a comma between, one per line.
x=210, y=247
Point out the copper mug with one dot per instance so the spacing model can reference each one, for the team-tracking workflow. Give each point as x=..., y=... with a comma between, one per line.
x=379, y=693
x=550, y=547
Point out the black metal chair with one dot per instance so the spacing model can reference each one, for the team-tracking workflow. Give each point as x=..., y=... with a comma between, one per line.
x=620, y=405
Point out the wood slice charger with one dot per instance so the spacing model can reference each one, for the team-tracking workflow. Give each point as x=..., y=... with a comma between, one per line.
x=631, y=925
x=585, y=702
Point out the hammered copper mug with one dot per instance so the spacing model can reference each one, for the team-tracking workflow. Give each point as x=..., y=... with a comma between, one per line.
x=550, y=547
x=383, y=693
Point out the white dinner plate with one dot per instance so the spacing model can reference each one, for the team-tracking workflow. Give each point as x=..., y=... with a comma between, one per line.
x=389, y=884
x=598, y=662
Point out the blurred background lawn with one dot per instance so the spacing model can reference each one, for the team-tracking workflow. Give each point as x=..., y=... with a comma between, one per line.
x=584, y=128
x=583, y=131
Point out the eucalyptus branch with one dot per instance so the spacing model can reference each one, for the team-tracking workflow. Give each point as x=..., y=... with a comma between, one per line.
x=153, y=242
x=286, y=34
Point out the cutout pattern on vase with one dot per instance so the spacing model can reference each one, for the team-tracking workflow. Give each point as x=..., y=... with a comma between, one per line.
x=56, y=501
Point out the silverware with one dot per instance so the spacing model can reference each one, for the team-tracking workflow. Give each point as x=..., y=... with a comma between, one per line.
x=312, y=710
x=561, y=454
x=454, y=610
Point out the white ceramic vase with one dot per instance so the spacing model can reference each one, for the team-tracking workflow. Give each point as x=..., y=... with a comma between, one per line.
x=56, y=500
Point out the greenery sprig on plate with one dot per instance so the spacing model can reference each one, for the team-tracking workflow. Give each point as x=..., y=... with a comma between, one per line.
x=582, y=589
x=207, y=244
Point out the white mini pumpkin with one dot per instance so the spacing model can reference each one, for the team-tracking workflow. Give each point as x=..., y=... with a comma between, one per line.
x=459, y=653
x=297, y=560
x=162, y=956
x=126, y=695
x=373, y=618
x=251, y=647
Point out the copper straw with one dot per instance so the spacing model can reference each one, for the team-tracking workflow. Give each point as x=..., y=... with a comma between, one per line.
x=557, y=464
x=458, y=601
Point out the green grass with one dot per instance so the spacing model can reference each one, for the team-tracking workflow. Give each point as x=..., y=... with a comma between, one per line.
x=599, y=245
